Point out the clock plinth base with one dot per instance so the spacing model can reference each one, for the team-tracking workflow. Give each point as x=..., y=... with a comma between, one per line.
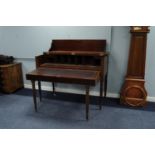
x=133, y=92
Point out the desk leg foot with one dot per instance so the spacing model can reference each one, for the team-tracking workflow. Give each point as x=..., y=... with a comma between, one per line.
x=34, y=95
x=87, y=102
x=53, y=86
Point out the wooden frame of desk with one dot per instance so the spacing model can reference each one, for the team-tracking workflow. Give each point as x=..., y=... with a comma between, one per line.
x=83, y=77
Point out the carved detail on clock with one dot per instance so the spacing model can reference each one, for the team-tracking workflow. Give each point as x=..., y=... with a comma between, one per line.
x=136, y=28
x=139, y=29
x=134, y=93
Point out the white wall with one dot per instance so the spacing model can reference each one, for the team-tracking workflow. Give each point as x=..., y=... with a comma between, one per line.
x=150, y=63
x=118, y=58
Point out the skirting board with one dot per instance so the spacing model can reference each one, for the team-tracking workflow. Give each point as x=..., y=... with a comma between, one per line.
x=75, y=91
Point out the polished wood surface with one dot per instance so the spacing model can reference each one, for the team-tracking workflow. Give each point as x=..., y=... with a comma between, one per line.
x=11, y=77
x=133, y=92
x=83, y=77
x=64, y=76
x=78, y=45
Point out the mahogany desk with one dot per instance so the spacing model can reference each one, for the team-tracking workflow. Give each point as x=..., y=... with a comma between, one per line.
x=74, y=76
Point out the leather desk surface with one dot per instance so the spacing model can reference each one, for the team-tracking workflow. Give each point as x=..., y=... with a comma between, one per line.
x=64, y=75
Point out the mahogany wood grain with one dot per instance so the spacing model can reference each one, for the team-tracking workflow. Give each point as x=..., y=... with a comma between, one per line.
x=64, y=76
x=78, y=45
x=11, y=77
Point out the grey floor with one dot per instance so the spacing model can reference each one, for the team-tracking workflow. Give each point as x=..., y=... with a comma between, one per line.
x=67, y=111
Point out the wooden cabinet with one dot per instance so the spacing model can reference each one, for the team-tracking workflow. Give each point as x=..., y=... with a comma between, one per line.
x=11, y=77
x=133, y=92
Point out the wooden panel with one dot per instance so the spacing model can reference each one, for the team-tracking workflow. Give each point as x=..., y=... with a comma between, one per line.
x=70, y=66
x=78, y=45
x=136, y=66
x=11, y=77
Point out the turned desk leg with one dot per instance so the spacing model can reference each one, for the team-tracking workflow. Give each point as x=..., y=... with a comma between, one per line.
x=39, y=87
x=87, y=102
x=105, y=85
x=101, y=92
x=106, y=79
x=34, y=95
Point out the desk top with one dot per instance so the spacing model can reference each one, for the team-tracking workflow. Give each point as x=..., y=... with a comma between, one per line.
x=64, y=75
